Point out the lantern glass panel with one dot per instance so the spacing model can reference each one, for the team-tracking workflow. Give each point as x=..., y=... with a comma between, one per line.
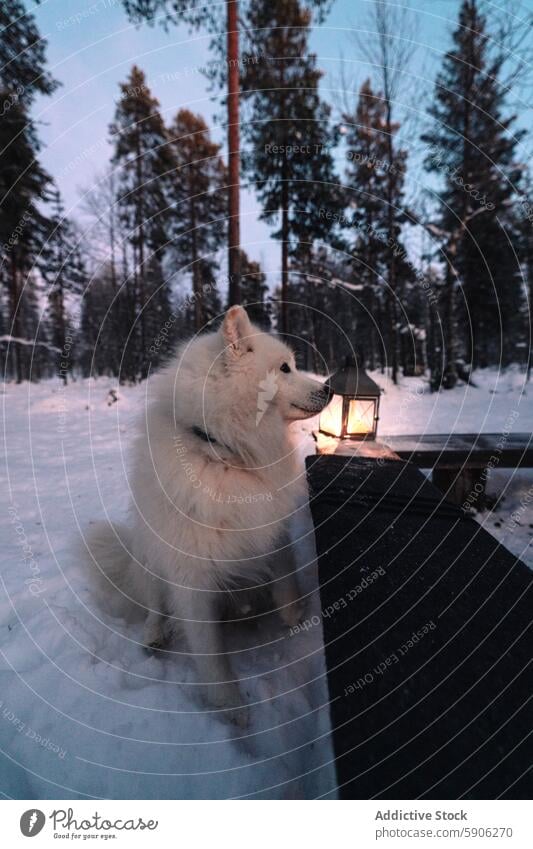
x=331, y=417
x=361, y=415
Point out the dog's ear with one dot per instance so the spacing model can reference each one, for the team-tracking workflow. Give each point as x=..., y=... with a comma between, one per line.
x=236, y=330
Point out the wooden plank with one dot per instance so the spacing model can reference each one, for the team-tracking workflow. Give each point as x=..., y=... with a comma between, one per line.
x=455, y=450
x=425, y=619
x=458, y=485
x=353, y=448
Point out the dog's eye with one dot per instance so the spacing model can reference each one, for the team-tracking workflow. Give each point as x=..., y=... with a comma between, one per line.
x=285, y=367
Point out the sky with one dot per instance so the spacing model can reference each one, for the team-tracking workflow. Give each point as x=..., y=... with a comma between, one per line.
x=92, y=46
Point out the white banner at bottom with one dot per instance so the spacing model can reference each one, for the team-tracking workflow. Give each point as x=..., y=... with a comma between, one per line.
x=256, y=825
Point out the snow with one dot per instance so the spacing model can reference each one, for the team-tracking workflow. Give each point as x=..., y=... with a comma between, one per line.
x=84, y=710
x=7, y=337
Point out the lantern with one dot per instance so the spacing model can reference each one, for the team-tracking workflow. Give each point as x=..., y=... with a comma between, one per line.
x=354, y=411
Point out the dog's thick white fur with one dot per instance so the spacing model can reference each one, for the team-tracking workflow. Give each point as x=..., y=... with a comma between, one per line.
x=214, y=480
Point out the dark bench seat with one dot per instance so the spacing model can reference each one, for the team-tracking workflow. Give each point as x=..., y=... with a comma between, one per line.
x=426, y=621
x=460, y=461
x=474, y=449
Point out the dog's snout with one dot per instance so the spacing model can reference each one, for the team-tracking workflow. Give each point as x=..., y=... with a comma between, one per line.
x=325, y=394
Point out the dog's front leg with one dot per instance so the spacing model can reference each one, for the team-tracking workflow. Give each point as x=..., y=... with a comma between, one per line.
x=156, y=625
x=285, y=591
x=155, y=630
x=201, y=620
x=287, y=600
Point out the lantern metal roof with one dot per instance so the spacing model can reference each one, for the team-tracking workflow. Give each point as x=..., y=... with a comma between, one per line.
x=351, y=379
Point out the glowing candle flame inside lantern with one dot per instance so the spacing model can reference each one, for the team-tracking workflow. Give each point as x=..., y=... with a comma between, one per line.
x=353, y=412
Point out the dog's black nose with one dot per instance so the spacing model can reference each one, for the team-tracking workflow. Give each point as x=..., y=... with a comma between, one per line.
x=328, y=392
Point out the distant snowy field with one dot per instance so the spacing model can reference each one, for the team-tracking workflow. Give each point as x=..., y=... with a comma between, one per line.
x=84, y=711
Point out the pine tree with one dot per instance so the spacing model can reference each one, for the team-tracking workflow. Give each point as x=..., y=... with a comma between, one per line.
x=103, y=338
x=471, y=146
x=159, y=311
x=144, y=161
x=526, y=259
x=23, y=226
x=29, y=355
x=217, y=19
x=289, y=157
x=375, y=191
x=199, y=204
x=254, y=292
x=39, y=357
x=211, y=302
x=23, y=182
x=64, y=273
x=23, y=74
x=315, y=299
x=328, y=315
x=387, y=45
x=106, y=241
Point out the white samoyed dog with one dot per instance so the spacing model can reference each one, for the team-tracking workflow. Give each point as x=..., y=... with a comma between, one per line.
x=214, y=480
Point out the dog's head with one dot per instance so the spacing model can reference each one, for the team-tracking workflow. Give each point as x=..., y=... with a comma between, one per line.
x=267, y=364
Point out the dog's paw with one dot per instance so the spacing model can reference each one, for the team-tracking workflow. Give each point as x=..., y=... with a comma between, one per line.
x=224, y=695
x=292, y=614
x=239, y=717
x=155, y=646
x=154, y=637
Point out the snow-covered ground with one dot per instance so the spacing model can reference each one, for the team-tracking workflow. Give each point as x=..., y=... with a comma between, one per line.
x=84, y=711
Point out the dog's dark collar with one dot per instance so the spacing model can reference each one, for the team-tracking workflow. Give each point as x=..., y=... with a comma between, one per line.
x=202, y=434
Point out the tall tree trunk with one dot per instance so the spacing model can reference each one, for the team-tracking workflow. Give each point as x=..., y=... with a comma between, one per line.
x=432, y=352
x=113, y=252
x=382, y=318
x=141, y=299
x=424, y=342
x=15, y=318
x=196, y=279
x=284, y=248
x=530, y=305
x=453, y=249
x=62, y=331
x=112, y=318
x=449, y=377
x=140, y=254
x=234, y=259
x=371, y=355
x=312, y=313
x=391, y=294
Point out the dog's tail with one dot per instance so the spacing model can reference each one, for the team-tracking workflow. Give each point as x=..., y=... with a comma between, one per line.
x=112, y=568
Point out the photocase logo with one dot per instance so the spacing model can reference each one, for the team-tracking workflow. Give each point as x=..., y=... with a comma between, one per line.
x=267, y=390
x=32, y=822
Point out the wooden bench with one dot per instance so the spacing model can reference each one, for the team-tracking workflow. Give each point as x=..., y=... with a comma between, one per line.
x=460, y=461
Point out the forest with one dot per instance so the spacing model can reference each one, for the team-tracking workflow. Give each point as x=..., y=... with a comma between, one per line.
x=435, y=282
